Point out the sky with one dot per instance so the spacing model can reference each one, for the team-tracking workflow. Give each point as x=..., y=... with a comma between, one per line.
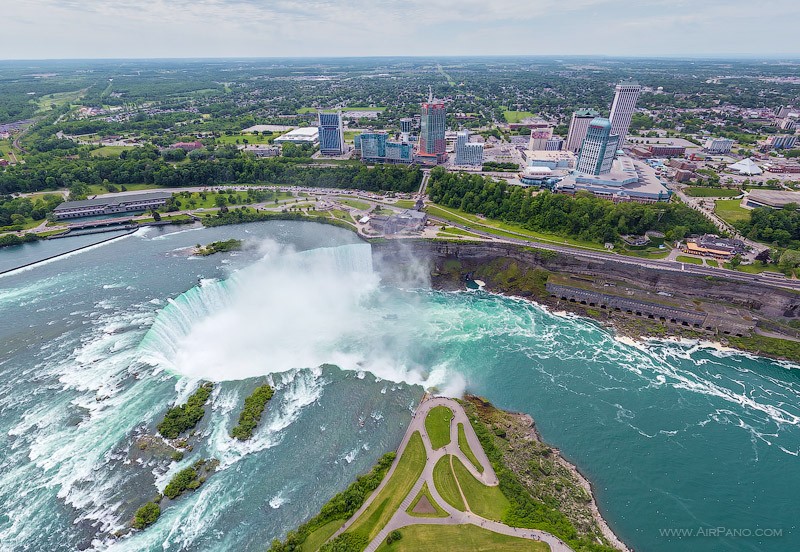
x=62, y=29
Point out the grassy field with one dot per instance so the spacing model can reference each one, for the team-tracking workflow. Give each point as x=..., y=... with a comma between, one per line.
x=349, y=135
x=453, y=231
x=57, y=100
x=405, y=203
x=517, y=116
x=730, y=211
x=712, y=262
x=755, y=268
x=487, y=502
x=251, y=138
x=110, y=151
x=464, y=446
x=446, y=484
x=425, y=492
x=355, y=204
x=408, y=470
x=437, y=424
x=318, y=537
x=459, y=537
x=95, y=189
x=504, y=229
x=700, y=191
x=689, y=260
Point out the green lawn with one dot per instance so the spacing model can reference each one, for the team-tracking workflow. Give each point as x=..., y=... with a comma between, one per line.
x=97, y=189
x=700, y=191
x=517, y=116
x=755, y=268
x=405, y=203
x=453, y=231
x=306, y=110
x=730, y=211
x=437, y=424
x=504, y=229
x=426, y=492
x=461, y=538
x=251, y=138
x=408, y=470
x=690, y=260
x=110, y=151
x=712, y=262
x=57, y=100
x=317, y=538
x=355, y=204
x=349, y=135
x=487, y=502
x=464, y=446
x=446, y=484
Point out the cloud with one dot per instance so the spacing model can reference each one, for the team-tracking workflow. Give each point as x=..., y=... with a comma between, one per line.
x=199, y=28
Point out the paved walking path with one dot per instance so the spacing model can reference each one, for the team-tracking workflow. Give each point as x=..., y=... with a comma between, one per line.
x=455, y=517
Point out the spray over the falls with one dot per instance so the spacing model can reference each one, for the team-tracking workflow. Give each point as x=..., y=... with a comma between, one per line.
x=289, y=310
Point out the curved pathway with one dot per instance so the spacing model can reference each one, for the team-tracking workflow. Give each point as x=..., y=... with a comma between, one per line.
x=455, y=517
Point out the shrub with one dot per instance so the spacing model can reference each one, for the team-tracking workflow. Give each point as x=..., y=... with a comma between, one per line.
x=184, y=417
x=254, y=406
x=183, y=480
x=394, y=536
x=146, y=515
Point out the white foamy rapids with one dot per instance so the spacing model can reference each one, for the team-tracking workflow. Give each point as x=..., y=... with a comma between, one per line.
x=295, y=391
x=75, y=458
x=287, y=311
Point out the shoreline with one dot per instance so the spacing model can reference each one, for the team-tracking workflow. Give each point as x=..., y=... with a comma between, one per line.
x=584, y=481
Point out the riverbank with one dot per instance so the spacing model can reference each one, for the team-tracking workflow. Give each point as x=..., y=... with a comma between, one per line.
x=636, y=302
x=545, y=474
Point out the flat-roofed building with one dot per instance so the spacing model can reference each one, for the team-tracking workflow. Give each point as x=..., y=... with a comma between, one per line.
x=303, y=135
x=628, y=180
x=718, y=145
x=112, y=204
x=711, y=245
x=331, y=133
x=774, y=199
x=598, y=149
x=626, y=95
x=468, y=153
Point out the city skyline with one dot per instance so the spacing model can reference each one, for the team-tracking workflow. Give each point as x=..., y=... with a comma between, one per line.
x=252, y=28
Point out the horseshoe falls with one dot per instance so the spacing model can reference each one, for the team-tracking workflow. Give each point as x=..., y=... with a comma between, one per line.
x=96, y=345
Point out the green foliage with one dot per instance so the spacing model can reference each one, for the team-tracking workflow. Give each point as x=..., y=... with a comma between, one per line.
x=584, y=216
x=254, y=406
x=13, y=239
x=220, y=247
x=495, y=166
x=779, y=226
x=184, y=417
x=186, y=479
x=525, y=511
x=146, y=515
x=394, y=536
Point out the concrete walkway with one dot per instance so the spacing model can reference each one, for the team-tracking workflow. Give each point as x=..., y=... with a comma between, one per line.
x=402, y=519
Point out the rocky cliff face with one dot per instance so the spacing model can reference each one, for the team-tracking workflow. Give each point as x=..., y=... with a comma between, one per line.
x=523, y=271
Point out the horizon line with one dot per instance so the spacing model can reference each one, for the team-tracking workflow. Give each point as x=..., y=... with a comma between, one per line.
x=702, y=56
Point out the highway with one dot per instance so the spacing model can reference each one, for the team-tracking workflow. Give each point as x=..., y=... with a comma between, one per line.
x=760, y=279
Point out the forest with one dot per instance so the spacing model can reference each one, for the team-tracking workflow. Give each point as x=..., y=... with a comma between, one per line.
x=584, y=216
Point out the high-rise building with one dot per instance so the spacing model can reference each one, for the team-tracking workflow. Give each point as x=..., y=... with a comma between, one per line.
x=577, y=128
x=468, y=153
x=377, y=148
x=625, y=97
x=598, y=148
x=331, y=133
x=433, y=125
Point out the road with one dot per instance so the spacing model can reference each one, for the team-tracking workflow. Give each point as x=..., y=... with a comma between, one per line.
x=760, y=279
x=402, y=519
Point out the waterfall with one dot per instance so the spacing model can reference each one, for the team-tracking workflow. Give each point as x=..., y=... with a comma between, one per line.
x=288, y=310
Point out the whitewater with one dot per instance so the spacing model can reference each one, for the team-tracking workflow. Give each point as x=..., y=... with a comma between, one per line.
x=96, y=345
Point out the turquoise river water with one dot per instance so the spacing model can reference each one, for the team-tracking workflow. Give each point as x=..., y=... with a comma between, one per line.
x=678, y=439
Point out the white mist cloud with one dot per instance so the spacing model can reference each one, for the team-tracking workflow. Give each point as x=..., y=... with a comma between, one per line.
x=291, y=311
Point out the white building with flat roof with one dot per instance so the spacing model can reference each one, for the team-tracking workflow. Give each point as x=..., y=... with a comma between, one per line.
x=304, y=135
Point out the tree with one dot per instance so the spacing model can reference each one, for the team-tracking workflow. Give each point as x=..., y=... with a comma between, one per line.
x=764, y=256
x=736, y=260
x=156, y=216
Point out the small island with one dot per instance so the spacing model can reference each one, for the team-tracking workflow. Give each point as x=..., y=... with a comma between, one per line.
x=254, y=406
x=218, y=247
